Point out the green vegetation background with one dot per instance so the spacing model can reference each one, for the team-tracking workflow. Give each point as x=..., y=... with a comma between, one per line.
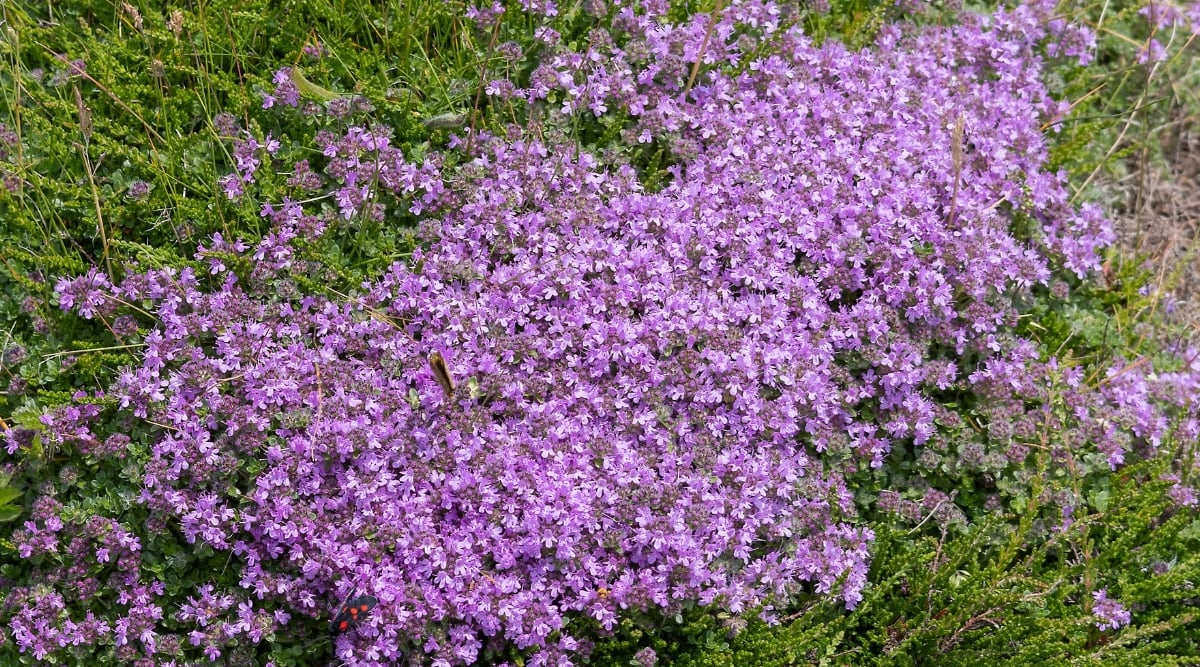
x=142, y=112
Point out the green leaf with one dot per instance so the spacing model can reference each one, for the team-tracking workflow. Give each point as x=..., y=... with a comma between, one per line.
x=1192, y=531
x=310, y=89
x=8, y=494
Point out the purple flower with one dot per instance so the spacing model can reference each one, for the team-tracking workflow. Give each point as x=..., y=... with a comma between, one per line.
x=86, y=294
x=138, y=190
x=660, y=393
x=225, y=124
x=1152, y=52
x=1109, y=614
x=646, y=657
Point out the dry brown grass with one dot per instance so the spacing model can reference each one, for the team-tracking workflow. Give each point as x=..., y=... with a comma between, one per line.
x=1160, y=216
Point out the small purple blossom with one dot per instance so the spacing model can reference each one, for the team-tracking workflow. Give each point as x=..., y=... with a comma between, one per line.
x=285, y=90
x=13, y=355
x=646, y=657
x=1109, y=614
x=485, y=17
x=1163, y=15
x=138, y=190
x=1181, y=494
x=225, y=124
x=87, y=294
x=1151, y=52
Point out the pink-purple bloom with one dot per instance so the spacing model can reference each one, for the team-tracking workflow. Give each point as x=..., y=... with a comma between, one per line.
x=1110, y=615
x=661, y=394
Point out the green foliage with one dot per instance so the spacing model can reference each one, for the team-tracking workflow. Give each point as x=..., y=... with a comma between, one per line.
x=1120, y=107
x=137, y=111
x=154, y=80
x=8, y=495
x=853, y=22
x=963, y=599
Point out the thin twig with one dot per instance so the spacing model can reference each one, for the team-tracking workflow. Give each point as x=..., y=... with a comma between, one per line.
x=479, y=90
x=703, y=46
x=87, y=163
x=1061, y=117
x=114, y=98
x=956, y=157
x=110, y=348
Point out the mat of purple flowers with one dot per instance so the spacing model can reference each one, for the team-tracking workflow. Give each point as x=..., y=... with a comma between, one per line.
x=657, y=396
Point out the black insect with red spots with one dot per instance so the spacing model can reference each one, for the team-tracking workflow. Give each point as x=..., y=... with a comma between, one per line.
x=351, y=611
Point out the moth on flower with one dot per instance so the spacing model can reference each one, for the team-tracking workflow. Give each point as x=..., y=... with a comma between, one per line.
x=441, y=372
x=351, y=611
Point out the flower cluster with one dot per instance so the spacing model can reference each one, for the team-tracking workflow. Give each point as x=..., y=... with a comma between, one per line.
x=101, y=555
x=656, y=397
x=636, y=459
x=1110, y=615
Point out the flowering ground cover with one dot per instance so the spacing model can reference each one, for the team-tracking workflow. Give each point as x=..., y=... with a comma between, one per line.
x=743, y=336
